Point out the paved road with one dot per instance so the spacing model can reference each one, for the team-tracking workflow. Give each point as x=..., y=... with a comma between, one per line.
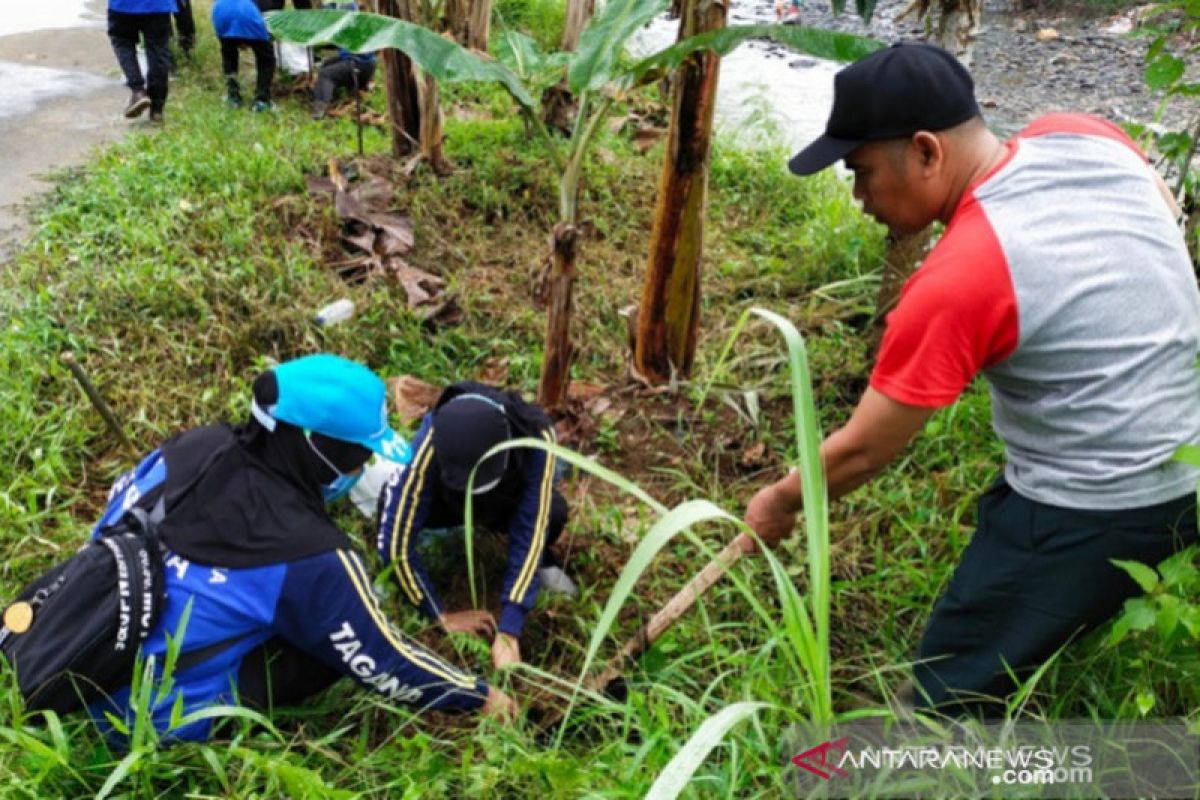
x=60, y=95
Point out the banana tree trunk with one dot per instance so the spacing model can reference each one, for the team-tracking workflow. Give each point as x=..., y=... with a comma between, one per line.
x=457, y=12
x=903, y=255
x=557, y=352
x=669, y=311
x=578, y=14
x=403, y=94
x=431, y=125
x=479, y=25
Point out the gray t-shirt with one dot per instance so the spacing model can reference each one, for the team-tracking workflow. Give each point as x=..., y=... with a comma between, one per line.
x=1064, y=279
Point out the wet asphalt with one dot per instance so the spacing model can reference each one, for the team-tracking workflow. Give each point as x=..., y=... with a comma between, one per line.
x=61, y=95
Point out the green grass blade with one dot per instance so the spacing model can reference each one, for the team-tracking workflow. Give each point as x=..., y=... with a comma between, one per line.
x=812, y=483
x=126, y=765
x=675, y=776
x=588, y=465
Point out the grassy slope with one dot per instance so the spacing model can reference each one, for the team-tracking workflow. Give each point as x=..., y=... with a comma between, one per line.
x=181, y=258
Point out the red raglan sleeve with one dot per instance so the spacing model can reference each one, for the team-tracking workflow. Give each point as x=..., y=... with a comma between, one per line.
x=957, y=315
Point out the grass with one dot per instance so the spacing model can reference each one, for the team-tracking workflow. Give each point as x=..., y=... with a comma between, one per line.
x=181, y=259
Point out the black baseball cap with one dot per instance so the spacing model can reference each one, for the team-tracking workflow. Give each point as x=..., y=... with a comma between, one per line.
x=463, y=430
x=891, y=94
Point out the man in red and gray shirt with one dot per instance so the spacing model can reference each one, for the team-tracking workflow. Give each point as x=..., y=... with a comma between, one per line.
x=1063, y=278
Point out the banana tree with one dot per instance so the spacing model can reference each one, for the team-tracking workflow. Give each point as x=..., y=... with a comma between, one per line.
x=596, y=75
x=668, y=320
x=403, y=93
x=957, y=25
x=578, y=14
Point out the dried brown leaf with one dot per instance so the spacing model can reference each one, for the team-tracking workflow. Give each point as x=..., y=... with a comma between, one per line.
x=412, y=397
x=396, y=227
x=646, y=136
x=752, y=456
x=362, y=239
x=442, y=316
x=495, y=371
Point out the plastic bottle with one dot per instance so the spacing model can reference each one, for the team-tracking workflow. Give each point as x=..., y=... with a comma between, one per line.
x=335, y=312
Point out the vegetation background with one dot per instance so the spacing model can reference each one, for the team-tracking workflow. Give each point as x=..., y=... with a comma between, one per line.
x=179, y=262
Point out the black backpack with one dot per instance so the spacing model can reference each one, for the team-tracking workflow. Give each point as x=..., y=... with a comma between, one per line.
x=73, y=634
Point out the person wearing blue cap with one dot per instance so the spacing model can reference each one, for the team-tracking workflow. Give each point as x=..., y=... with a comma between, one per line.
x=267, y=598
x=512, y=492
x=1063, y=279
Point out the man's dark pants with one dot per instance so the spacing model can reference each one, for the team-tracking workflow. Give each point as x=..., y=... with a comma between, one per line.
x=1034, y=576
x=264, y=63
x=124, y=31
x=185, y=26
x=346, y=73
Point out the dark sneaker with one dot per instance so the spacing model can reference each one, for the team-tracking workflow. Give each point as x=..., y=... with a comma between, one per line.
x=319, y=110
x=139, y=101
x=233, y=100
x=156, y=117
x=260, y=106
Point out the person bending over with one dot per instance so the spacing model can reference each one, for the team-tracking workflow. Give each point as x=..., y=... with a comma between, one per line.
x=1063, y=278
x=278, y=603
x=512, y=491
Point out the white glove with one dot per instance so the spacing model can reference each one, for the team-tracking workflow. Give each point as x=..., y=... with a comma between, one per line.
x=365, y=493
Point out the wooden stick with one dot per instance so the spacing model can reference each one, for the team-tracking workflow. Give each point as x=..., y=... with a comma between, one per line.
x=646, y=635
x=68, y=359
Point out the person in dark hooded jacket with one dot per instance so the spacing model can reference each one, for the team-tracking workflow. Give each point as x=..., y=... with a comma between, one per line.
x=268, y=598
x=513, y=492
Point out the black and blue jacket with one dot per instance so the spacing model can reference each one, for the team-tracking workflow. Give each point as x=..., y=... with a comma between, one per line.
x=415, y=499
x=320, y=601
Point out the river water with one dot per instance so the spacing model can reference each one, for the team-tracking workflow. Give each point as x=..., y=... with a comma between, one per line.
x=765, y=95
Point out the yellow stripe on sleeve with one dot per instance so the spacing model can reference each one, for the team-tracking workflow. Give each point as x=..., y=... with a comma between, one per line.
x=428, y=661
x=413, y=480
x=534, y=558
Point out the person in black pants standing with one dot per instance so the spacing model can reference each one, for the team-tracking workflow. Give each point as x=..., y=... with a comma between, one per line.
x=150, y=20
x=185, y=28
x=239, y=24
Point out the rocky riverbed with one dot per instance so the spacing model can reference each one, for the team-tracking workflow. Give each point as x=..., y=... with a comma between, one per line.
x=1024, y=63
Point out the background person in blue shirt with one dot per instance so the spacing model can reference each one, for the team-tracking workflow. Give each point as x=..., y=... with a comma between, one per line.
x=149, y=20
x=239, y=24
x=513, y=492
x=278, y=602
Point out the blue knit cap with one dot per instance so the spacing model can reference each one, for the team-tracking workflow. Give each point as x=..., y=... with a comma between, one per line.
x=334, y=397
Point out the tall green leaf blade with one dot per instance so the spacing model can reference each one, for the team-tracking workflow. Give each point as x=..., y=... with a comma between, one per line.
x=813, y=41
x=816, y=504
x=603, y=41
x=360, y=32
x=582, y=462
x=675, y=776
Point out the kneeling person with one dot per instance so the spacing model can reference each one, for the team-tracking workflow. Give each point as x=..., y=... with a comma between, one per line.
x=512, y=491
x=277, y=602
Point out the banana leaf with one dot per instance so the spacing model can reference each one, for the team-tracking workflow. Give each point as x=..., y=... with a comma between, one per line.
x=360, y=32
